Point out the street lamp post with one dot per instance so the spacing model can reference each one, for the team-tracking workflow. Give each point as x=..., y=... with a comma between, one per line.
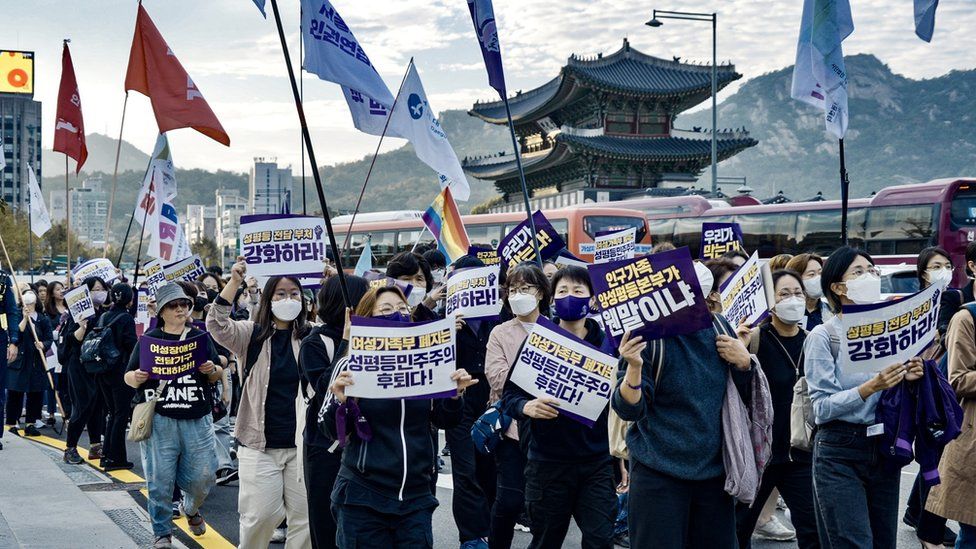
x=713, y=17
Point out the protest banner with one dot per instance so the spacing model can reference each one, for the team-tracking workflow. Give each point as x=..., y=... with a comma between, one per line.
x=744, y=296
x=654, y=296
x=614, y=245
x=185, y=269
x=565, y=259
x=717, y=239
x=79, y=303
x=474, y=293
x=155, y=277
x=283, y=245
x=142, y=310
x=881, y=334
x=100, y=268
x=516, y=247
x=488, y=256
x=557, y=364
x=377, y=279
x=587, y=248
x=401, y=359
x=165, y=359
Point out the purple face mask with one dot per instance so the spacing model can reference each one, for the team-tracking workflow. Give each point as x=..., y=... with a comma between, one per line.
x=395, y=316
x=572, y=308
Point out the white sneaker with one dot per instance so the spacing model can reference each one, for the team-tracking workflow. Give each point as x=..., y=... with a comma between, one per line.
x=280, y=535
x=780, y=504
x=774, y=530
x=521, y=527
x=39, y=424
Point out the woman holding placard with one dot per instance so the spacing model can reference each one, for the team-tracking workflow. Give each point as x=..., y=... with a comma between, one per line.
x=116, y=395
x=856, y=497
x=412, y=268
x=26, y=379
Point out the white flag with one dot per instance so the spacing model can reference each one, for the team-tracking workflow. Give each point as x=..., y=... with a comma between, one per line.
x=160, y=173
x=40, y=218
x=166, y=238
x=819, y=76
x=925, y=18
x=3, y=155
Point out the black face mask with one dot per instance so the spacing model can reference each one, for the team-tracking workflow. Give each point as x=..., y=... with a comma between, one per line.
x=211, y=295
x=199, y=303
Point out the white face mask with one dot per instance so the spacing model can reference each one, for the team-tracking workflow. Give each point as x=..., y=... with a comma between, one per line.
x=791, y=310
x=705, y=278
x=286, y=309
x=415, y=298
x=438, y=276
x=941, y=277
x=812, y=286
x=29, y=298
x=522, y=304
x=865, y=289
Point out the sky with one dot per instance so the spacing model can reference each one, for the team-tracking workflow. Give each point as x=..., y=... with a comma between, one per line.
x=234, y=57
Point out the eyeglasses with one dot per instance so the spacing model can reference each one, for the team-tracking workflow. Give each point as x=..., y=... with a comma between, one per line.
x=860, y=272
x=181, y=304
x=788, y=294
x=390, y=309
x=527, y=290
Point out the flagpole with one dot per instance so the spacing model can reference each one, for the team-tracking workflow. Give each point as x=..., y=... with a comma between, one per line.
x=417, y=242
x=345, y=245
x=844, y=194
x=142, y=233
x=67, y=224
x=301, y=94
x=30, y=234
x=132, y=217
x=525, y=190
x=311, y=154
x=115, y=178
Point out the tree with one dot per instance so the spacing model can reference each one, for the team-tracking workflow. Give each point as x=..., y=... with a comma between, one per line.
x=208, y=251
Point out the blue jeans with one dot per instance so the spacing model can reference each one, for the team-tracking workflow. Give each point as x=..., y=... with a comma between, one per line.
x=967, y=537
x=179, y=452
x=856, y=496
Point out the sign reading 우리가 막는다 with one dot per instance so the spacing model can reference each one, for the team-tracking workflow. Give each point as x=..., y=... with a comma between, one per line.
x=881, y=334
x=614, y=246
x=717, y=239
x=654, y=296
x=401, y=359
x=101, y=268
x=557, y=364
x=283, y=245
x=185, y=269
x=79, y=303
x=517, y=247
x=474, y=293
x=165, y=359
x=744, y=294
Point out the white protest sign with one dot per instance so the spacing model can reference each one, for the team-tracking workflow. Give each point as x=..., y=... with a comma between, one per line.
x=185, y=269
x=79, y=303
x=283, y=245
x=566, y=260
x=744, y=294
x=555, y=364
x=101, y=268
x=474, y=293
x=155, y=277
x=879, y=335
x=615, y=246
x=142, y=310
x=401, y=360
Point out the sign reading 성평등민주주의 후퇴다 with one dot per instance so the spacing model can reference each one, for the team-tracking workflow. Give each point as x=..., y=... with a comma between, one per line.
x=283, y=245
x=881, y=334
x=79, y=303
x=654, y=296
x=744, y=295
x=717, y=239
x=101, y=268
x=185, y=269
x=615, y=245
x=474, y=293
x=390, y=359
x=166, y=359
x=557, y=364
x=517, y=247
x=155, y=277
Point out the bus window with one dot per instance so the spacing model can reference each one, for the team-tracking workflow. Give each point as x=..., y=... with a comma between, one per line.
x=384, y=247
x=357, y=241
x=769, y=234
x=484, y=236
x=662, y=230
x=819, y=231
x=962, y=212
x=406, y=239
x=899, y=229
x=593, y=224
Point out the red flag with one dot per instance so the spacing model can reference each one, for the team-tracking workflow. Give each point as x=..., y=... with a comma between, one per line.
x=69, y=131
x=155, y=72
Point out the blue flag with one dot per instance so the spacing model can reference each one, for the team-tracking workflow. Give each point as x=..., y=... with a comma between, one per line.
x=483, y=17
x=365, y=262
x=260, y=5
x=925, y=18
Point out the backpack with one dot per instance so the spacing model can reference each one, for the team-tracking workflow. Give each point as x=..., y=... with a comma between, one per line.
x=487, y=430
x=99, y=353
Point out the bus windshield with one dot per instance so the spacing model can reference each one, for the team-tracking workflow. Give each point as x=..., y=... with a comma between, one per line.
x=593, y=224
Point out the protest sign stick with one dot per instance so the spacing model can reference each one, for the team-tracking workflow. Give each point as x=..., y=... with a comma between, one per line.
x=115, y=179
x=417, y=242
x=67, y=224
x=525, y=190
x=30, y=238
x=845, y=184
x=301, y=95
x=311, y=153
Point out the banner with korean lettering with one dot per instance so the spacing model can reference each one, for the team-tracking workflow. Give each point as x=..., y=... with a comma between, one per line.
x=186, y=269
x=283, y=245
x=614, y=246
x=717, y=239
x=142, y=310
x=654, y=296
x=155, y=277
x=566, y=259
x=488, y=256
x=554, y=363
x=401, y=359
x=474, y=293
x=516, y=247
x=79, y=303
x=101, y=268
x=879, y=335
x=377, y=279
x=744, y=294
x=165, y=359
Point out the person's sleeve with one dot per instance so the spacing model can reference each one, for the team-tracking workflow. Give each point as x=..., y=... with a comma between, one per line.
x=127, y=335
x=445, y=413
x=133, y=359
x=948, y=307
x=496, y=363
x=422, y=314
x=233, y=334
x=313, y=361
x=513, y=400
x=962, y=355
x=44, y=332
x=636, y=411
x=742, y=379
x=830, y=400
x=14, y=315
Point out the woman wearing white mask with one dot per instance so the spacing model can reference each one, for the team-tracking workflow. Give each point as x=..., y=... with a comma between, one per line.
x=26, y=380
x=778, y=345
x=810, y=267
x=271, y=480
x=413, y=269
x=856, y=498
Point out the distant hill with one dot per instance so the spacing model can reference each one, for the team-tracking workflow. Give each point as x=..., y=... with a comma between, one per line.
x=101, y=157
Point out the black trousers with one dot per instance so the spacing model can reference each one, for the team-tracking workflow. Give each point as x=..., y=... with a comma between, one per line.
x=321, y=469
x=469, y=503
x=15, y=404
x=87, y=408
x=585, y=492
x=671, y=513
x=118, y=403
x=931, y=527
x=509, y=493
x=62, y=384
x=795, y=483
x=361, y=527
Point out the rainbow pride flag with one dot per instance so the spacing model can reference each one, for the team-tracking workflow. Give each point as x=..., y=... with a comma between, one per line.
x=444, y=222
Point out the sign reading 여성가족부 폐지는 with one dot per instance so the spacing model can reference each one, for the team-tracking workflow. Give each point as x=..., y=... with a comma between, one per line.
x=165, y=359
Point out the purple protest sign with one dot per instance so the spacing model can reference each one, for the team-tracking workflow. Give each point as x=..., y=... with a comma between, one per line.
x=654, y=296
x=717, y=239
x=165, y=359
x=516, y=247
x=488, y=256
x=377, y=279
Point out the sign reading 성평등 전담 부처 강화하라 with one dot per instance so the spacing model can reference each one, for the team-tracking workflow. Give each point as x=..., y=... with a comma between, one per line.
x=401, y=359
x=555, y=363
x=517, y=247
x=474, y=293
x=744, y=294
x=614, y=245
x=79, y=303
x=283, y=245
x=654, y=296
x=185, y=269
x=717, y=239
x=881, y=334
x=488, y=256
x=101, y=268
x=165, y=359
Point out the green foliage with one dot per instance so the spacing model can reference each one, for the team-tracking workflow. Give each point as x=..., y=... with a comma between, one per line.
x=208, y=251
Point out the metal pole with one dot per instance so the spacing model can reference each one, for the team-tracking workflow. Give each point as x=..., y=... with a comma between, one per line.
x=30, y=235
x=525, y=190
x=67, y=225
x=132, y=217
x=714, y=104
x=115, y=179
x=301, y=94
x=844, y=192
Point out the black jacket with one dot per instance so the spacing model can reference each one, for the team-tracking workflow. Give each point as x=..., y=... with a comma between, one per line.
x=315, y=368
x=27, y=373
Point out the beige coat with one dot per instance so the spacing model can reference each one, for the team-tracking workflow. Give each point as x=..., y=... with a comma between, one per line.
x=503, y=346
x=955, y=498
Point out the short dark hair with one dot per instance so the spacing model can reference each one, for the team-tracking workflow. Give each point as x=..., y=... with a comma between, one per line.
x=736, y=252
x=331, y=305
x=468, y=261
x=924, y=257
x=122, y=295
x=435, y=259
x=530, y=273
x=970, y=256
x=573, y=273
x=720, y=266
x=216, y=269
x=834, y=269
x=787, y=272
x=407, y=264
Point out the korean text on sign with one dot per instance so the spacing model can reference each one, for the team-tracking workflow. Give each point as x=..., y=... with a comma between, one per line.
x=474, y=293
x=79, y=303
x=165, y=359
x=517, y=247
x=615, y=246
x=401, y=360
x=720, y=238
x=282, y=245
x=101, y=268
x=488, y=256
x=556, y=364
x=155, y=277
x=185, y=269
x=744, y=295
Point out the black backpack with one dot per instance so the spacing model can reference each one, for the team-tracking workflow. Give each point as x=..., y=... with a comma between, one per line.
x=99, y=353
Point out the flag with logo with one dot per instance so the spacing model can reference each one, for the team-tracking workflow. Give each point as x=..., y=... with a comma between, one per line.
x=161, y=175
x=166, y=238
x=444, y=222
x=40, y=219
x=155, y=72
x=69, y=128
x=260, y=5
x=819, y=76
x=483, y=17
x=365, y=262
x=925, y=18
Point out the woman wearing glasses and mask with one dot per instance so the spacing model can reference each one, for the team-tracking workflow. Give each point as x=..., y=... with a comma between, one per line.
x=810, y=268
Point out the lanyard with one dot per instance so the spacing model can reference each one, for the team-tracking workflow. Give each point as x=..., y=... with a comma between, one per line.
x=795, y=363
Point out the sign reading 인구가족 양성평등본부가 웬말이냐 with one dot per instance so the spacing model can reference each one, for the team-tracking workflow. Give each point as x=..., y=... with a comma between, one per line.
x=165, y=359
x=744, y=294
x=717, y=239
x=283, y=245
x=614, y=245
x=79, y=303
x=474, y=293
x=488, y=256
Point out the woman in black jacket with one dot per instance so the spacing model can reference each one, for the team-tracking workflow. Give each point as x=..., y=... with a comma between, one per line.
x=26, y=377
x=115, y=393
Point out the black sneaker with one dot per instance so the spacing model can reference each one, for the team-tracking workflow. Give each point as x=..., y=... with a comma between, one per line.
x=177, y=509
x=14, y=430
x=622, y=540
x=112, y=465
x=1, y=445
x=226, y=476
x=949, y=537
x=31, y=431
x=71, y=456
